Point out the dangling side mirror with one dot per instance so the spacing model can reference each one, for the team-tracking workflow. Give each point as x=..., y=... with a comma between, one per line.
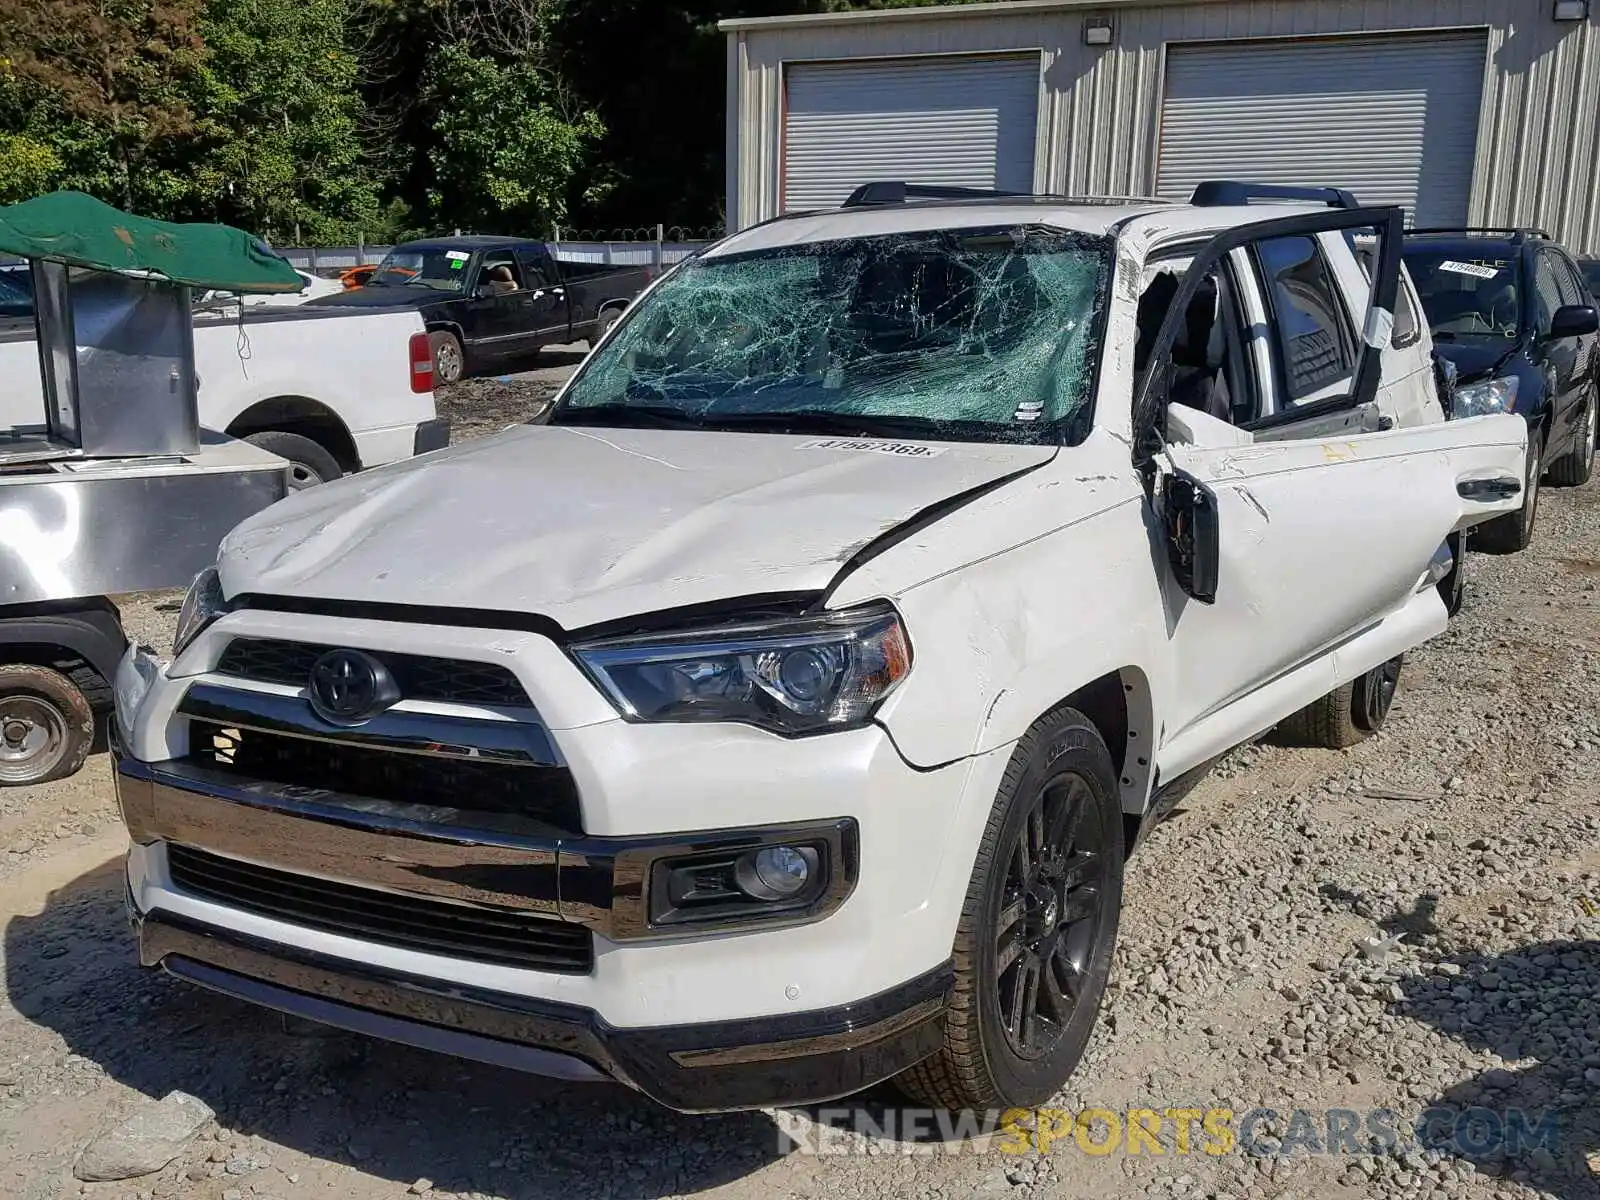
x=1193, y=534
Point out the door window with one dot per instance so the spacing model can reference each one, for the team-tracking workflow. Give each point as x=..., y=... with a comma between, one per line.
x=500, y=274
x=535, y=269
x=1573, y=289
x=1546, y=292
x=1310, y=328
x=1407, y=328
x=1207, y=366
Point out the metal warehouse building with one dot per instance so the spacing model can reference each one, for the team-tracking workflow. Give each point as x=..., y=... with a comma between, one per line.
x=1465, y=111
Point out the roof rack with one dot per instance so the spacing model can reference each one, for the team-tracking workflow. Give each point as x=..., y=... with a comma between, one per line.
x=1219, y=193
x=896, y=191
x=1517, y=232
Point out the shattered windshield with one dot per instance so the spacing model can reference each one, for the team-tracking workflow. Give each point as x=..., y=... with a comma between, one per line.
x=441, y=270
x=1467, y=294
x=987, y=335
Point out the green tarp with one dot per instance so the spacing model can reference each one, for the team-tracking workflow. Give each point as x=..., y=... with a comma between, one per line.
x=79, y=230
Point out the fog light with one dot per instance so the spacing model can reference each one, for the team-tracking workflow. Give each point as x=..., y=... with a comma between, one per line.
x=775, y=872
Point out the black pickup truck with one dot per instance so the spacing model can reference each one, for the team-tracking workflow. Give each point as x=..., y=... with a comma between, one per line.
x=489, y=300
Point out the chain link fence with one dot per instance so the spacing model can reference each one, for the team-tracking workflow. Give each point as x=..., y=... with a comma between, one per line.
x=641, y=246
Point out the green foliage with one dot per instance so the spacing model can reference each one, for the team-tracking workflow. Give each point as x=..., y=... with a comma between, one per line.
x=328, y=120
x=278, y=146
x=27, y=167
x=111, y=72
x=507, y=150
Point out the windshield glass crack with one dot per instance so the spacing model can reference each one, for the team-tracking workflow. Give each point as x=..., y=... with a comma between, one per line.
x=988, y=335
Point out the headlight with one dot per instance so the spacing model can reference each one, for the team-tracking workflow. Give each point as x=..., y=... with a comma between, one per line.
x=1481, y=399
x=202, y=604
x=798, y=676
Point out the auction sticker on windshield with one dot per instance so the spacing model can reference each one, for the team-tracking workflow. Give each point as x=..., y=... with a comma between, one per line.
x=874, y=446
x=457, y=255
x=1481, y=270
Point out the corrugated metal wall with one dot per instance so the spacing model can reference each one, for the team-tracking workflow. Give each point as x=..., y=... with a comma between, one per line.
x=1393, y=117
x=1538, y=155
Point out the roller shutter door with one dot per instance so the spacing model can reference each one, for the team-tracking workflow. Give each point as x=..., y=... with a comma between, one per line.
x=1394, y=119
x=963, y=121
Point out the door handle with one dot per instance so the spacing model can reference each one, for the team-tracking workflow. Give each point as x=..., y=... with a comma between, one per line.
x=1501, y=487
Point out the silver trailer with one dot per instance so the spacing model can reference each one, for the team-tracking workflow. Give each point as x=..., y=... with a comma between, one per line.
x=115, y=489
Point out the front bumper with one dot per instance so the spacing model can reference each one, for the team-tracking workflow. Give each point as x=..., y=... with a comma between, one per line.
x=601, y=884
x=798, y=1058
x=769, y=1012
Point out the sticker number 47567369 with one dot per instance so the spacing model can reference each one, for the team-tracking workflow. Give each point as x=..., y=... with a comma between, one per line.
x=874, y=446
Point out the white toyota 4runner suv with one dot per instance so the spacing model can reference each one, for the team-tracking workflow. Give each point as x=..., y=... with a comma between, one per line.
x=778, y=718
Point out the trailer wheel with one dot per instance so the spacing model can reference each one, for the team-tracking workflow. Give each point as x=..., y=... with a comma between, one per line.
x=46, y=725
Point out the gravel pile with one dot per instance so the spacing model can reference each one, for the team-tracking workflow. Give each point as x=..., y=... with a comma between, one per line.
x=1410, y=925
x=479, y=407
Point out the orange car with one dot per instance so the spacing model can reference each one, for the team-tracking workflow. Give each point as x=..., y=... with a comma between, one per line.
x=355, y=277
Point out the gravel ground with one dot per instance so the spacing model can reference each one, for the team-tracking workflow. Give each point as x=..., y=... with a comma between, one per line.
x=478, y=407
x=1407, y=925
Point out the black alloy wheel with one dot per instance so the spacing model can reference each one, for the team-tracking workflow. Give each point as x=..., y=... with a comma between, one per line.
x=1374, y=693
x=1032, y=950
x=1052, y=916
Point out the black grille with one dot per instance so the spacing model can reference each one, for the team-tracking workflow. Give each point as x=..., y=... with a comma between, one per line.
x=537, y=794
x=452, y=680
x=496, y=935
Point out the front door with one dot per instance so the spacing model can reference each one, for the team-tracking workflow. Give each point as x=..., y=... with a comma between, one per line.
x=1561, y=359
x=546, y=314
x=1306, y=541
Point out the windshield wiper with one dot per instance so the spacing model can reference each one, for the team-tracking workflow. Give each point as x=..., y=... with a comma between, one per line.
x=660, y=416
x=821, y=420
x=803, y=420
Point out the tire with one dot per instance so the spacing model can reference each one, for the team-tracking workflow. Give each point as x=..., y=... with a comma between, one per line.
x=449, y=362
x=1055, y=916
x=1348, y=714
x=1511, y=533
x=309, y=463
x=603, y=324
x=1453, y=587
x=1574, y=468
x=46, y=726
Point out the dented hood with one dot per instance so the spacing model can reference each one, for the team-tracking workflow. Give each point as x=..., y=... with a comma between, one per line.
x=585, y=525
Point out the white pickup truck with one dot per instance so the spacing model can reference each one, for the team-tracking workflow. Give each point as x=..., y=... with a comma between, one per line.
x=331, y=391
x=779, y=717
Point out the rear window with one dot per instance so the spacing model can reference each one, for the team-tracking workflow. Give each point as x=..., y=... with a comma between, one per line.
x=1468, y=292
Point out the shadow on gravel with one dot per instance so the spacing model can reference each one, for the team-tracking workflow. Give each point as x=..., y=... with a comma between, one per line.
x=1537, y=1124
x=388, y=1110
x=1419, y=920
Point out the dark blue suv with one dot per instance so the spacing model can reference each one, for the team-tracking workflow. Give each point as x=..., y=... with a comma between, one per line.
x=1511, y=311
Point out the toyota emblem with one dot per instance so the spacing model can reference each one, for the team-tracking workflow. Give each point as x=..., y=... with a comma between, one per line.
x=348, y=687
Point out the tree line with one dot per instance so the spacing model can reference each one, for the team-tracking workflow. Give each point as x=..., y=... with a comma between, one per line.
x=325, y=121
